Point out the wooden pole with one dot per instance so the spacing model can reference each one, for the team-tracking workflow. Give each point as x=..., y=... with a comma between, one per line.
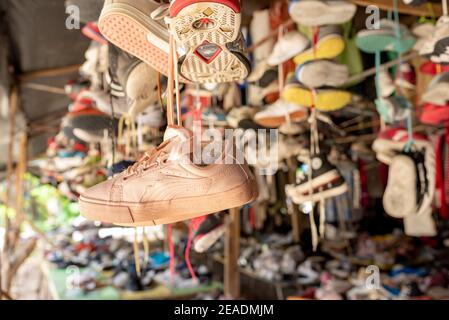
x=231, y=255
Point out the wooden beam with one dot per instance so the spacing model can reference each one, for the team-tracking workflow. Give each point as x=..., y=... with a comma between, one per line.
x=49, y=73
x=231, y=255
x=435, y=9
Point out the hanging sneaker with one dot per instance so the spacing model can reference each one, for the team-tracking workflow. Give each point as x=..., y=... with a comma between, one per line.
x=209, y=230
x=325, y=99
x=276, y=114
x=290, y=45
x=166, y=186
x=330, y=44
x=210, y=32
x=327, y=182
x=434, y=114
x=128, y=24
x=320, y=73
x=319, y=13
x=400, y=197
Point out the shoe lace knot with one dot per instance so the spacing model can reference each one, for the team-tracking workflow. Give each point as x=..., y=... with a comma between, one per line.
x=152, y=159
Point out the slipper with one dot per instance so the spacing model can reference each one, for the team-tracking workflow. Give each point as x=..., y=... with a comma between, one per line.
x=320, y=73
x=384, y=39
x=319, y=13
x=329, y=45
x=290, y=45
x=328, y=99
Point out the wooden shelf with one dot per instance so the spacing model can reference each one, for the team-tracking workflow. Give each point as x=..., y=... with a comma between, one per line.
x=422, y=10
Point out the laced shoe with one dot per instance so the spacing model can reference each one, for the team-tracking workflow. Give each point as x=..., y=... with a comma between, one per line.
x=166, y=186
x=326, y=182
x=210, y=32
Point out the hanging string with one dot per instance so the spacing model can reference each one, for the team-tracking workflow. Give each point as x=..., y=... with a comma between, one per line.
x=172, y=253
x=444, y=4
x=136, y=253
x=187, y=252
x=146, y=246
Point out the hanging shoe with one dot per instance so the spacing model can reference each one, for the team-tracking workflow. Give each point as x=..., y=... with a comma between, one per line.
x=166, y=186
x=321, y=73
x=327, y=182
x=329, y=45
x=290, y=45
x=276, y=114
x=319, y=13
x=326, y=99
x=128, y=25
x=210, y=32
x=385, y=39
x=209, y=230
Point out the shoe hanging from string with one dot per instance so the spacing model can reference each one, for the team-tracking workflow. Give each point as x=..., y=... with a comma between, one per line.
x=410, y=142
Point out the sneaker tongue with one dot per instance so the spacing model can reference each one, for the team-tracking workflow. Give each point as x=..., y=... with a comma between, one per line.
x=180, y=132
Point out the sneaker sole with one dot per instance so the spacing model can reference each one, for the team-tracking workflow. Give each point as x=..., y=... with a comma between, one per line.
x=226, y=66
x=126, y=27
x=328, y=47
x=274, y=122
x=167, y=212
x=399, y=199
x=325, y=100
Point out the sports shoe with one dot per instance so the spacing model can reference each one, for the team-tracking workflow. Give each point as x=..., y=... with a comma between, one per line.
x=209, y=229
x=438, y=90
x=319, y=13
x=385, y=39
x=325, y=99
x=320, y=73
x=287, y=47
x=436, y=44
x=128, y=25
x=327, y=182
x=210, y=31
x=165, y=186
x=137, y=79
x=237, y=114
x=88, y=119
x=400, y=198
x=329, y=45
x=276, y=114
x=263, y=74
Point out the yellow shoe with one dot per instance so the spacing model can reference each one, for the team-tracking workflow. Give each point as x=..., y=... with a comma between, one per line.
x=330, y=44
x=326, y=99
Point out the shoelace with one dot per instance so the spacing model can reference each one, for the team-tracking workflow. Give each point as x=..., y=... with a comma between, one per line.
x=149, y=160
